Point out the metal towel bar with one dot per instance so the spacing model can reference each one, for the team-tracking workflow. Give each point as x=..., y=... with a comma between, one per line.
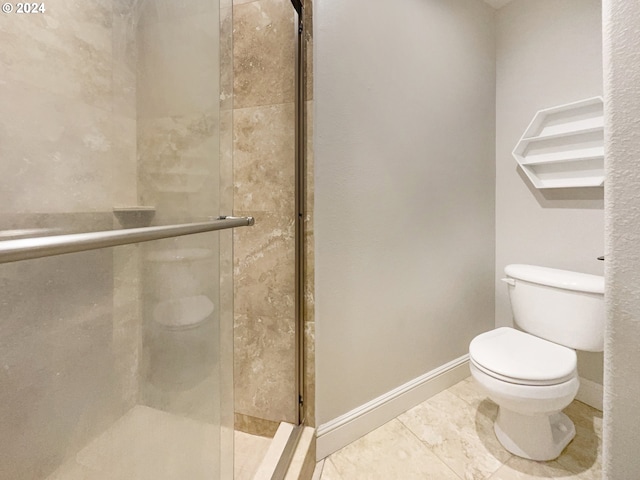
x=37, y=247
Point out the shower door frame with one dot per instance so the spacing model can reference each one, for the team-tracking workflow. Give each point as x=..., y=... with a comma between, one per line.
x=300, y=173
x=300, y=211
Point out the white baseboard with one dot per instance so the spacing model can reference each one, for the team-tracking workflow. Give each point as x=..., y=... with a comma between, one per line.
x=590, y=393
x=341, y=431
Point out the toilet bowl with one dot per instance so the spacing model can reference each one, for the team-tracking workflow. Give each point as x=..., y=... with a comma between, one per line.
x=532, y=375
x=179, y=346
x=530, y=397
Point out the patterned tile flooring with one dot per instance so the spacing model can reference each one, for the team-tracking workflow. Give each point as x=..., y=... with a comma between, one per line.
x=450, y=436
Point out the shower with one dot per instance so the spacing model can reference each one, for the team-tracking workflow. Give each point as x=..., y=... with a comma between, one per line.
x=136, y=249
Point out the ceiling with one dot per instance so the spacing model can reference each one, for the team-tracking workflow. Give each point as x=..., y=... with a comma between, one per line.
x=497, y=3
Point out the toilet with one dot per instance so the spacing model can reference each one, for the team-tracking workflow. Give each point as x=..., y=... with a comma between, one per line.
x=531, y=373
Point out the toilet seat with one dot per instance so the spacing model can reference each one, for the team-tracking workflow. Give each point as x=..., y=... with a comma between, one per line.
x=516, y=357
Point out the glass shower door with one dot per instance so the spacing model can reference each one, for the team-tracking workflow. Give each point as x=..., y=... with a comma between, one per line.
x=115, y=363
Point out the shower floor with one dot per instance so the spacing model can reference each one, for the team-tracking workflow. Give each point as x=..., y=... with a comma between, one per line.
x=249, y=451
x=149, y=444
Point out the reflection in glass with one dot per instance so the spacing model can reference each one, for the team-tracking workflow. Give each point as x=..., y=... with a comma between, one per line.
x=115, y=363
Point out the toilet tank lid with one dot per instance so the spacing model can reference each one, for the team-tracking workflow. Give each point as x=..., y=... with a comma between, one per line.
x=580, y=282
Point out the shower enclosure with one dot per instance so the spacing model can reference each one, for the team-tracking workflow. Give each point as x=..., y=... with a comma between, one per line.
x=116, y=260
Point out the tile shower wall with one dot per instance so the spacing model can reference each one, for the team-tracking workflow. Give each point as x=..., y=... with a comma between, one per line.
x=178, y=109
x=179, y=173
x=264, y=153
x=74, y=123
x=115, y=109
x=69, y=360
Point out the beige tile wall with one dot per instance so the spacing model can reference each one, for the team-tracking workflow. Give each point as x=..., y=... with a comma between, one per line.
x=178, y=107
x=69, y=343
x=264, y=156
x=74, y=123
x=68, y=363
x=184, y=156
x=104, y=105
x=109, y=105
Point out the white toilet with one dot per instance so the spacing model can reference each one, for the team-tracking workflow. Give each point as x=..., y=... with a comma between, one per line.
x=532, y=376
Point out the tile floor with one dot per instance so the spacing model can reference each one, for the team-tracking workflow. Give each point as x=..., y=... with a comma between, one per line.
x=450, y=436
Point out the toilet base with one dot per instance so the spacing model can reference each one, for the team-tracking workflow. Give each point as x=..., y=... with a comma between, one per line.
x=536, y=437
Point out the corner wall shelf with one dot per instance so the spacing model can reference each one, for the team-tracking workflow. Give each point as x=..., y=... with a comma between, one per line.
x=564, y=146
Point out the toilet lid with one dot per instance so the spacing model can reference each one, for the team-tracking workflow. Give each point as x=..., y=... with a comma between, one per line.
x=518, y=357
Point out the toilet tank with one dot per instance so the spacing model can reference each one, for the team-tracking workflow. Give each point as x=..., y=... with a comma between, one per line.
x=558, y=305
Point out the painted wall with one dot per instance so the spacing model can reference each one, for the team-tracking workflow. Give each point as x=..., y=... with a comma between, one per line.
x=548, y=53
x=622, y=208
x=404, y=191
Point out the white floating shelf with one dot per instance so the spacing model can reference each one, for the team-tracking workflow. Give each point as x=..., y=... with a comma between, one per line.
x=566, y=156
x=564, y=146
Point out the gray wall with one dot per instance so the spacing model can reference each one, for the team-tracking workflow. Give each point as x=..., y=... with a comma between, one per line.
x=549, y=52
x=622, y=144
x=404, y=144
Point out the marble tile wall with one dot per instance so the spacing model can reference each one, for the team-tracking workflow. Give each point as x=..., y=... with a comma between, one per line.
x=111, y=103
x=74, y=123
x=184, y=171
x=184, y=79
x=264, y=48
x=66, y=354
x=69, y=343
x=264, y=156
x=178, y=107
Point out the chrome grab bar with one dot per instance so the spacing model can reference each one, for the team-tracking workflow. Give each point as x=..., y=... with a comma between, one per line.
x=38, y=247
